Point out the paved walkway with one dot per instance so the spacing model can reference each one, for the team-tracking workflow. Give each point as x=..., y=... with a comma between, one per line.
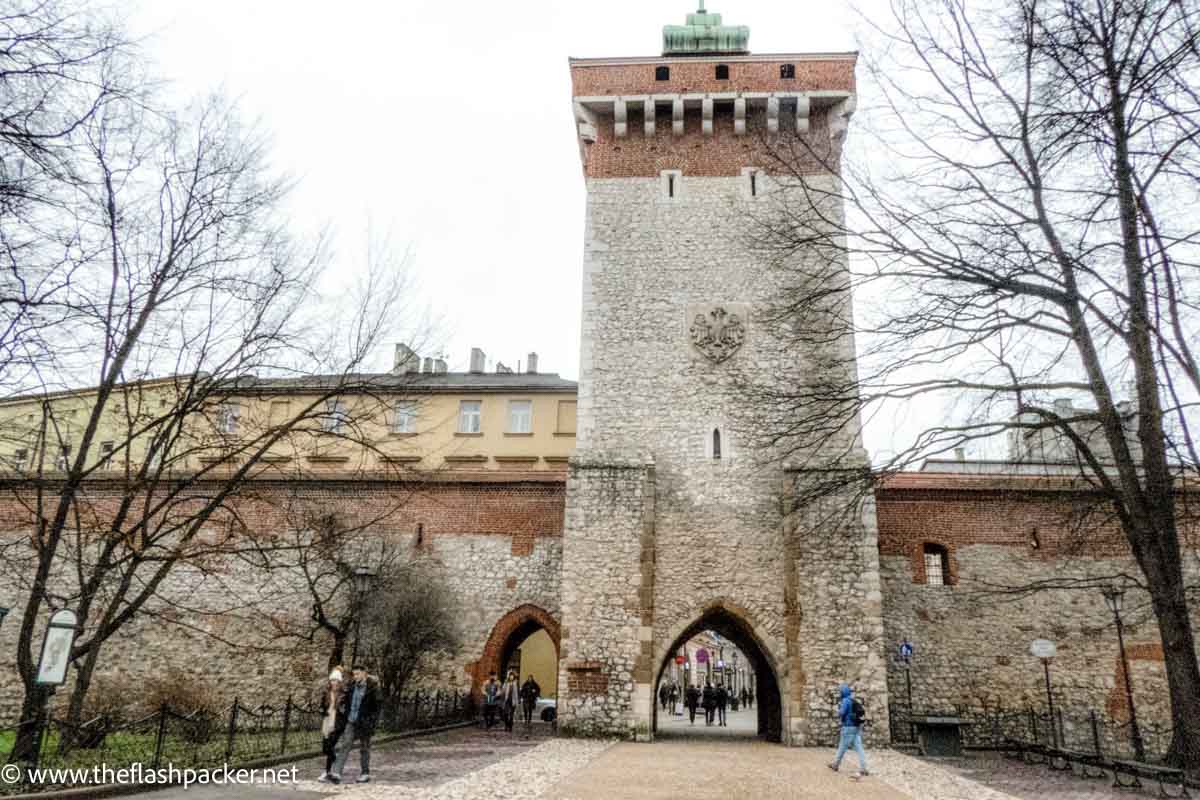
x=739, y=724
x=715, y=767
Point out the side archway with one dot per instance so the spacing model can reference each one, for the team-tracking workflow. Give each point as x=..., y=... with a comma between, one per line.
x=733, y=623
x=507, y=635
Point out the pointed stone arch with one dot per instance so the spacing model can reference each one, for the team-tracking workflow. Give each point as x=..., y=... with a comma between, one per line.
x=507, y=633
x=736, y=624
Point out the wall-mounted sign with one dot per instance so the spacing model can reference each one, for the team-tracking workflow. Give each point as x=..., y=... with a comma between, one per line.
x=701, y=656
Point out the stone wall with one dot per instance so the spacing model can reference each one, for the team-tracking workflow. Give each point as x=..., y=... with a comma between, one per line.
x=972, y=636
x=659, y=531
x=496, y=539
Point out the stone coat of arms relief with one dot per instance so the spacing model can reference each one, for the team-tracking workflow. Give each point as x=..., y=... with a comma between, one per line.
x=718, y=331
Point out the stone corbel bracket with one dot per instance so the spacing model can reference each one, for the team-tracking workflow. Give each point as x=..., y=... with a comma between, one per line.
x=591, y=112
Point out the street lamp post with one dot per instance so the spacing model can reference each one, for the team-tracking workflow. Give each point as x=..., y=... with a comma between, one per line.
x=1114, y=596
x=362, y=579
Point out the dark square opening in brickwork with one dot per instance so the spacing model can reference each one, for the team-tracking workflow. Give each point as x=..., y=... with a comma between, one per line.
x=662, y=73
x=787, y=71
x=722, y=72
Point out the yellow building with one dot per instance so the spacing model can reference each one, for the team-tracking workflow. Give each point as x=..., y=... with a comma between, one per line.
x=417, y=417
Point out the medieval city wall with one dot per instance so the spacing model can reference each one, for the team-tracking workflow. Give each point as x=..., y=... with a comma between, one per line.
x=972, y=637
x=496, y=542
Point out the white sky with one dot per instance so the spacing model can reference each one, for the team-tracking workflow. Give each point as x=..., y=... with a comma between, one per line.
x=448, y=123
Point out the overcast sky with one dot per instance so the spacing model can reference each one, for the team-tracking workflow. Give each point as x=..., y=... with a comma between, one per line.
x=449, y=124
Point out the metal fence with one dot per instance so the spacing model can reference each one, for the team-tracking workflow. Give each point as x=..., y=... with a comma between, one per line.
x=1082, y=730
x=236, y=734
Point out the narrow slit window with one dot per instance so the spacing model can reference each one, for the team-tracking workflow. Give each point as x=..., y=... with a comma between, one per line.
x=787, y=71
x=722, y=72
x=670, y=186
x=754, y=184
x=716, y=444
x=662, y=73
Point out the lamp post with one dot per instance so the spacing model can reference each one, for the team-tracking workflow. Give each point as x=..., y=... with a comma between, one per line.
x=362, y=578
x=1114, y=596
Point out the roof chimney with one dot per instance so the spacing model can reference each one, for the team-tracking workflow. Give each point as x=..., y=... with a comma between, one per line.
x=407, y=361
x=428, y=365
x=1063, y=405
x=960, y=454
x=478, y=360
x=439, y=366
x=531, y=368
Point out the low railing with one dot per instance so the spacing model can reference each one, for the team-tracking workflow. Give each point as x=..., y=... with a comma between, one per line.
x=237, y=734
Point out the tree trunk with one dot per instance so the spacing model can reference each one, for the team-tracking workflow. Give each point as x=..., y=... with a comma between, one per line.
x=84, y=672
x=337, y=654
x=1179, y=659
x=25, y=745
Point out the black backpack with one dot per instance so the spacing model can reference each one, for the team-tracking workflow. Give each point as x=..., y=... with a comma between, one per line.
x=858, y=714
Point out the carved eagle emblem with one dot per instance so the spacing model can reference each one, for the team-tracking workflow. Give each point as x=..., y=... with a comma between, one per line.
x=718, y=334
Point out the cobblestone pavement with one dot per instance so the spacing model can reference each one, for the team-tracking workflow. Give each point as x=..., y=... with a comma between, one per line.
x=990, y=776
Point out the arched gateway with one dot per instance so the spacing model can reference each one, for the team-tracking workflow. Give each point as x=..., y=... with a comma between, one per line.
x=671, y=501
x=731, y=623
x=507, y=635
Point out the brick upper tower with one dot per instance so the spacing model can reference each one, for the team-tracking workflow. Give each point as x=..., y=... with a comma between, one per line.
x=675, y=522
x=698, y=107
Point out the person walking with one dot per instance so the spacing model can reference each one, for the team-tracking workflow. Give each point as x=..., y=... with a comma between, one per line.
x=663, y=694
x=510, y=696
x=530, y=692
x=852, y=715
x=709, y=701
x=750, y=699
x=491, y=701
x=362, y=715
x=722, y=701
x=673, y=698
x=691, y=700
x=744, y=696
x=333, y=720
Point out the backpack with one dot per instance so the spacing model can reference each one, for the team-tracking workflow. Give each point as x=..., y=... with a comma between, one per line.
x=858, y=714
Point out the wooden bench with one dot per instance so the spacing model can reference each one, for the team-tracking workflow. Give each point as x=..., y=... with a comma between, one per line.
x=1091, y=765
x=1138, y=769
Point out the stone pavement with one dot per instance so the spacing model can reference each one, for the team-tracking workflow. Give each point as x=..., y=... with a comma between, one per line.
x=742, y=723
x=716, y=767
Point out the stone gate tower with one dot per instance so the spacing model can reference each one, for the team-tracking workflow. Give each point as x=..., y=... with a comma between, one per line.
x=674, y=522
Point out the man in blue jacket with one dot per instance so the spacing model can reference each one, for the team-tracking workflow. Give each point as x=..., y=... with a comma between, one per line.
x=851, y=714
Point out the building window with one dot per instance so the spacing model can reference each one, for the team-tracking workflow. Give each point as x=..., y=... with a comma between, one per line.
x=106, y=451
x=567, y=412
x=64, y=455
x=787, y=72
x=228, y=416
x=404, y=417
x=937, y=565
x=722, y=72
x=671, y=183
x=335, y=417
x=520, y=416
x=662, y=73
x=469, y=417
x=716, y=444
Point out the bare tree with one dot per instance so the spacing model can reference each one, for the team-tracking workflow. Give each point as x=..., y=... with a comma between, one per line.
x=181, y=264
x=1019, y=225
x=409, y=617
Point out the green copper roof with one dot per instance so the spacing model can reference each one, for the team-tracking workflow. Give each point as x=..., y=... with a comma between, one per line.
x=705, y=35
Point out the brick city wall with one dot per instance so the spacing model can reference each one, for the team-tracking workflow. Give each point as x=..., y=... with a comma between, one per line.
x=972, y=636
x=696, y=75
x=497, y=542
